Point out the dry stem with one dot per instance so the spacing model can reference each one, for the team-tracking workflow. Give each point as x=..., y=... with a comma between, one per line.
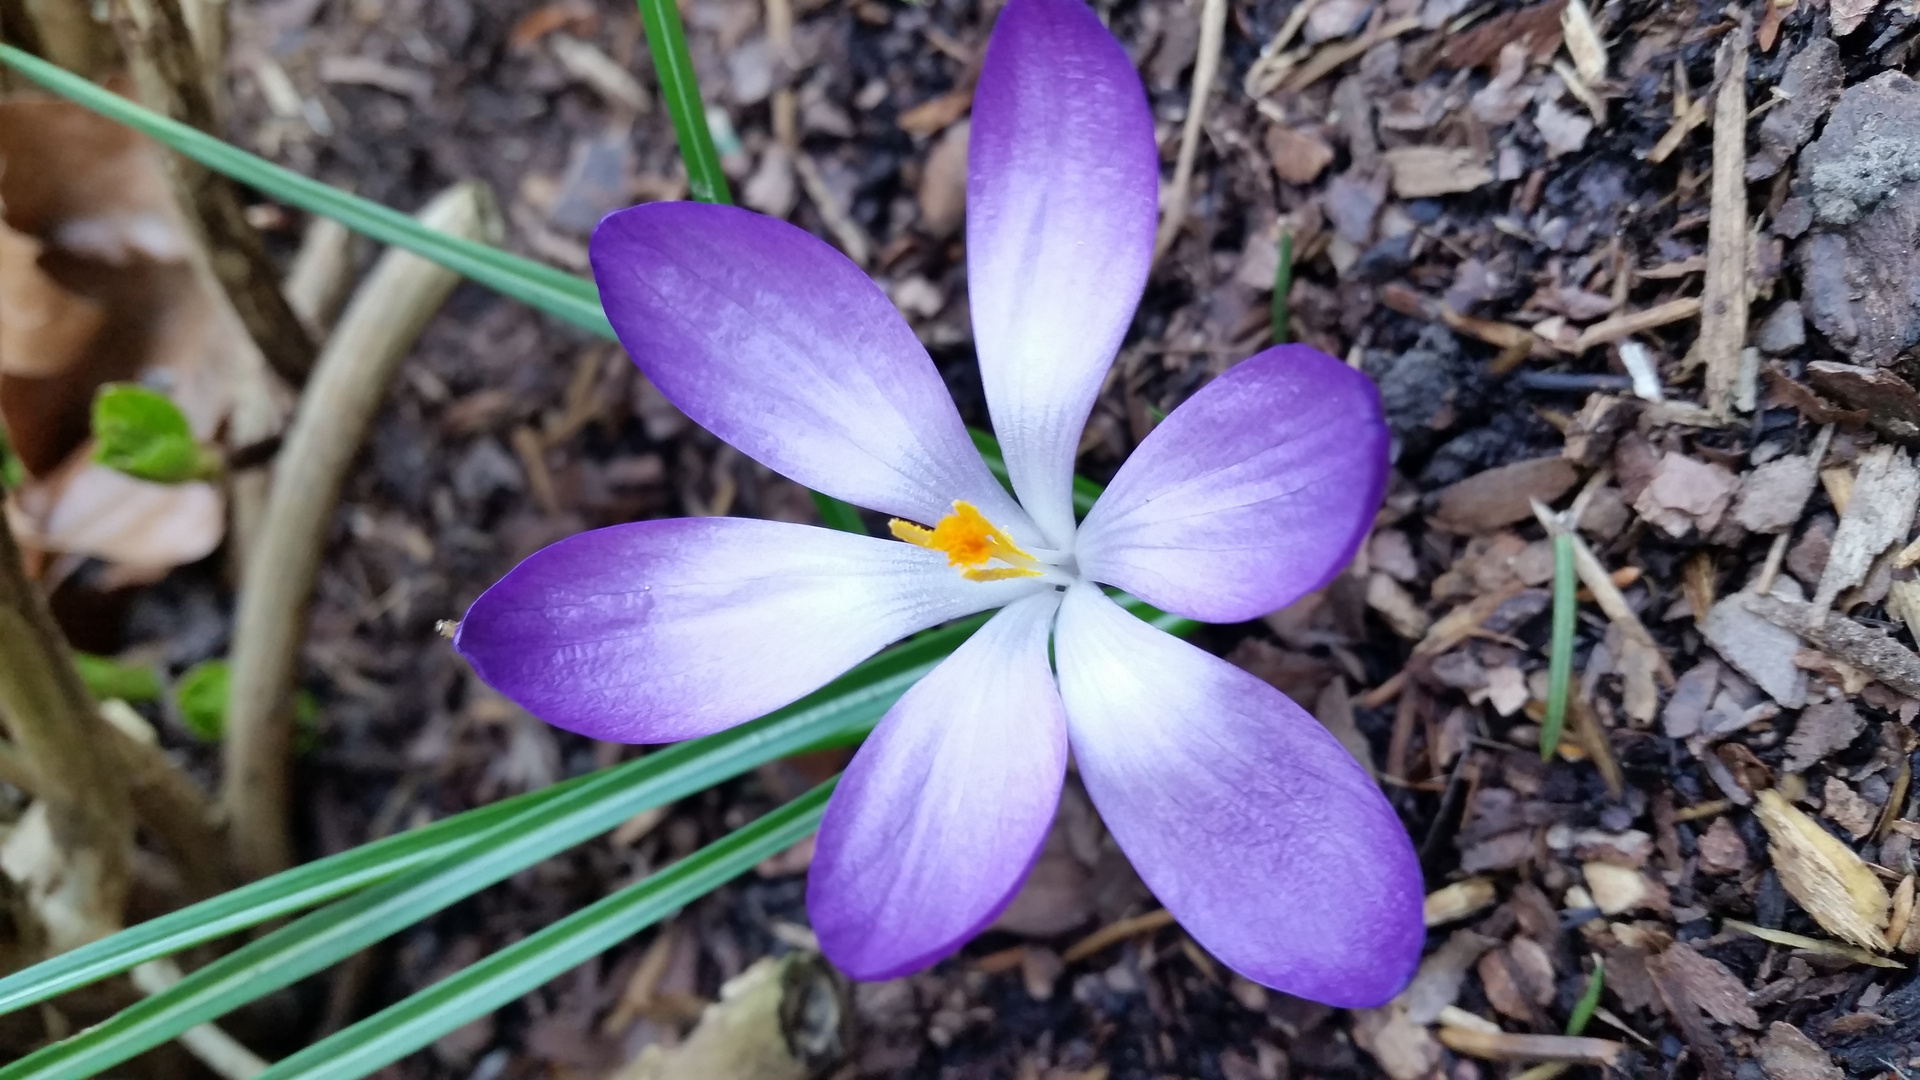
x=171, y=80
x=374, y=334
x=1213, y=23
x=54, y=727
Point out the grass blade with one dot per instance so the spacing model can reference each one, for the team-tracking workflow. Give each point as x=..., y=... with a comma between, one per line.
x=680, y=90
x=838, y=714
x=1589, y=999
x=1560, y=647
x=262, y=901
x=562, y=295
x=1281, y=317
x=508, y=974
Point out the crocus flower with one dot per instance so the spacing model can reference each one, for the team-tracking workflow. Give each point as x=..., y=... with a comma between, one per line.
x=1257, y=830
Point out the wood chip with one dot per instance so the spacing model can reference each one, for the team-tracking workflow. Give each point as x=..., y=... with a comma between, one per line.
x=1639, y=322
x=1760, y=648
x=1114, y=933
x=1879, y=514
x=1787, y=1054
x=1685, y=495
x=1821, y=730
x=1421, y=172
x=1537, y=27
x=1583, y=42
x=1723, y=313
x=1491, y=1046
x=1454, y=902
x=1823, y=875
x=1717, y=991
x=1843, y=639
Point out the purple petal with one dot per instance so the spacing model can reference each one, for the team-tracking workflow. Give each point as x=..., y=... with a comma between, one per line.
x=945, y=808
x=1253, y=493
x=1063, y=179
x=775, y=342
x=1251, y=823
x=664, y=630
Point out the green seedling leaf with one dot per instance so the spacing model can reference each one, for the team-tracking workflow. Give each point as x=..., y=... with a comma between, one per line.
x=108, y=678
x=201, y=695
x=1589, y=999
x=1282, y=289
x=1560, y=648
x=145, y=435
x=13, y=472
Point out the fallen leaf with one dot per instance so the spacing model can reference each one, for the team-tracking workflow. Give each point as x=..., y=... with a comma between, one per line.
x=943, y=182
x=1501, y=496
x=96, y=195
x=1823, y=875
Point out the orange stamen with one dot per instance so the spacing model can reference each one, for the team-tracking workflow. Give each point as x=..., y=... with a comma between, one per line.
x=971, y=541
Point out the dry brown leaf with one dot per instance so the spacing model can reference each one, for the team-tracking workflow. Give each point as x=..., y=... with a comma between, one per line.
x=1823, y=875
x=44, y=327
x=96, y=196
x=1502, y=496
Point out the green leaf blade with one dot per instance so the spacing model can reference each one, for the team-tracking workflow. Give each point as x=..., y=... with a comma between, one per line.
x=562, y=295
x=535, y=960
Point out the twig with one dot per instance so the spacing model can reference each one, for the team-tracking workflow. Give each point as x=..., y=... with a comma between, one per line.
x=1114, y=933
x=168, y=74
x=51, y=716
x=1723, y=311
x=378, y=328
x=1213, y=24
x=216, y=1049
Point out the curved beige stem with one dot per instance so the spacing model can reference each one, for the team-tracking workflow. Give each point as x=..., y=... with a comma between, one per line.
x=349, y=380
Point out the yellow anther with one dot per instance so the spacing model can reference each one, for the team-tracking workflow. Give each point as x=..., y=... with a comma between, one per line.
x=971, y=541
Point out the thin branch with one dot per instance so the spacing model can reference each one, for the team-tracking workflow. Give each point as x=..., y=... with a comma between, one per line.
x=1213, y=23
x=170, y=78
x=52, y=719
x=374, y=334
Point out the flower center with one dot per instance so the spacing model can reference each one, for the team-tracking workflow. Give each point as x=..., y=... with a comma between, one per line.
x=971, y=541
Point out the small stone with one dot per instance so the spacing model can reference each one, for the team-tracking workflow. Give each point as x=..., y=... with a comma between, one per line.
x=1783, y=331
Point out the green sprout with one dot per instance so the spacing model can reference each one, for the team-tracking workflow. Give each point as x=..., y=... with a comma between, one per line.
x=202, y=694
x=145, y=435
